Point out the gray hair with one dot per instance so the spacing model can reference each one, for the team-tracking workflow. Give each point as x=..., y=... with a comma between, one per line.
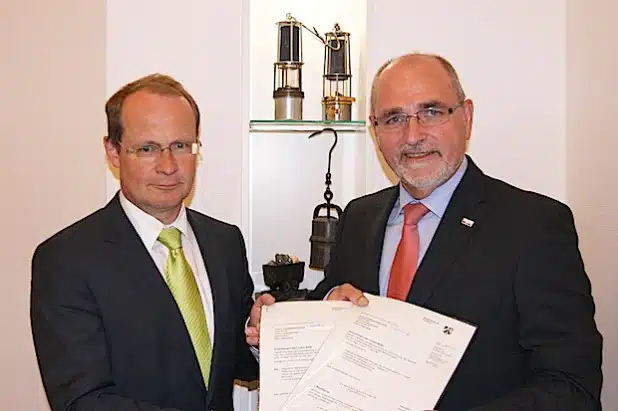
x=450, y=70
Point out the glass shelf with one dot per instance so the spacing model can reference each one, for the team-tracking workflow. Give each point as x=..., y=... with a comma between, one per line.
x=293, y=126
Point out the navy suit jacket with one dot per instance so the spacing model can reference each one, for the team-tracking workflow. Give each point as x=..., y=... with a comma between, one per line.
x=516, y=274
x=108, y=333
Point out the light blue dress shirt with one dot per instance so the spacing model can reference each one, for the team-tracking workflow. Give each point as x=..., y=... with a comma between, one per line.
x=436, y=202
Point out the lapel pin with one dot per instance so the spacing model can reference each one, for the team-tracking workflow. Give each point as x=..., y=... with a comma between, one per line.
x=467, y=222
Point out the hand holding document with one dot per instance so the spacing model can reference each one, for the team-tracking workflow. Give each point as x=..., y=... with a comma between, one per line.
x=389, y=355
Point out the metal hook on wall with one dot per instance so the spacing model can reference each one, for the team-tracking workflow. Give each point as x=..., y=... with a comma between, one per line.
x=324, y=228
x=328, y=194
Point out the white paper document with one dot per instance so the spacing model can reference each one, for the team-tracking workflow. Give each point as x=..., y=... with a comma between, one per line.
x=389, y=355
x=291, y=334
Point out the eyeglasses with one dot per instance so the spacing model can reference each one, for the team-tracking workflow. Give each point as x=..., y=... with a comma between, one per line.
x=430, y=116
x=152, y=150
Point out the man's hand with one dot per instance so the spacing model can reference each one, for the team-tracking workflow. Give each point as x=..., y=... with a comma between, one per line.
x=252, y=332
x=347, y=292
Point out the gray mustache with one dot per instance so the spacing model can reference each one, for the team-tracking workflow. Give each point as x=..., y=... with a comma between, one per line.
x=419, y=148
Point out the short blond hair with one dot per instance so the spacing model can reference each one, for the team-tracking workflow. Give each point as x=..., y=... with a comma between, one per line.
x=154, y=83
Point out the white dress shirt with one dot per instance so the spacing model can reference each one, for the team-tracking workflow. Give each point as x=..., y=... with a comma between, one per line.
x=148, y=228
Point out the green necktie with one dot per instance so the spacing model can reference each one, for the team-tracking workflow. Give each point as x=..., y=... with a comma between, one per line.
x=181, y=281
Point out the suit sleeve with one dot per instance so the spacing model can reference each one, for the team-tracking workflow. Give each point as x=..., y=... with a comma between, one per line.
x=69, y=338
x=246, y=365
x=556, y=322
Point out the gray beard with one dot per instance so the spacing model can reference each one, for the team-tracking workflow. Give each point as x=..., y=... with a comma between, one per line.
x=432, y=181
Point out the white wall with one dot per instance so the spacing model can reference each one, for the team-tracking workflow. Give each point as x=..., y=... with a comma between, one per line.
x=287, y=183
x=52, y=81
x=62, y=60
x=510, y=56
x=322, y=14
x=201, y=46
x=286, y=170
x=204, y=48
x=592, y=167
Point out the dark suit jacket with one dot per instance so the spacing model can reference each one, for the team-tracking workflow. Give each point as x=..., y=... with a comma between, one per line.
x=516, y=274
x=108, y=333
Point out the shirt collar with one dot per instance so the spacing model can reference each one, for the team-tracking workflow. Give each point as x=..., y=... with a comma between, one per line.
x=439, y=198
x=148, y=228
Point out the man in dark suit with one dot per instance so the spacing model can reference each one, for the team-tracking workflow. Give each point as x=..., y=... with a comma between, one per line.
x=142, y=304
x=503, y=259
x=485, y=252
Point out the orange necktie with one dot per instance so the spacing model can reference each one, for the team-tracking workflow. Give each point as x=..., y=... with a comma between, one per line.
x=406, y=257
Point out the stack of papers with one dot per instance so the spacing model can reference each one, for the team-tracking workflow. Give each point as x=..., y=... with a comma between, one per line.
x=332, y=355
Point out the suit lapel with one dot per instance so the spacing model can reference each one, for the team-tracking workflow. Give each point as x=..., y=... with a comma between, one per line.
x=133, y=258
x=140, y=271
x=452, y=236
x=217, y=276
x=144, y=274
x=378, y=216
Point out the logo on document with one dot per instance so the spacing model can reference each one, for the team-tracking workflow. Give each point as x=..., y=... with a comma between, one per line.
x=447, y=330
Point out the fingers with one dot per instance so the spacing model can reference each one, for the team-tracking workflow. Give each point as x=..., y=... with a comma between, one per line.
x=256, y=310
x=347, y=292
x=252, y=336
x=252, y=331
x=267, y=299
